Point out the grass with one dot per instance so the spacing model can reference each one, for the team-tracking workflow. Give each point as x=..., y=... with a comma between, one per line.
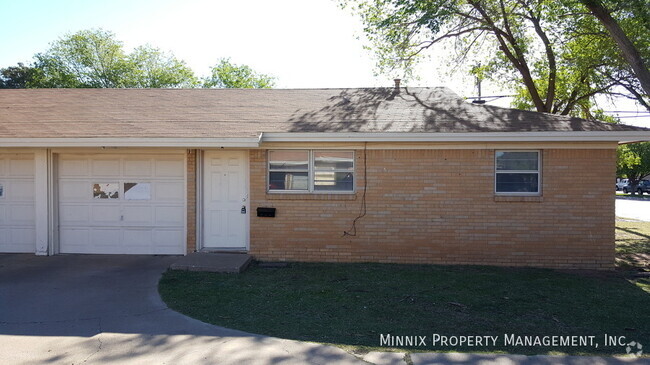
x=620, y=194
x=350, y=305
x=632, y=244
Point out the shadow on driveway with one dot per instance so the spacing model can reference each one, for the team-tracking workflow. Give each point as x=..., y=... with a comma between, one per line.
x=106, y=309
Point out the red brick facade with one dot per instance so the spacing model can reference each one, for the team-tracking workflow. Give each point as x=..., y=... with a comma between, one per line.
x=438, y=206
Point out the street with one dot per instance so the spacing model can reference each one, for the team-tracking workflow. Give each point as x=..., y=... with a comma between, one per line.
x=634, y=208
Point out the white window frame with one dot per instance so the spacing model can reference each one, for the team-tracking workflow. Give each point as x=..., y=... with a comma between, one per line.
x=538, y=172
x=311, y=169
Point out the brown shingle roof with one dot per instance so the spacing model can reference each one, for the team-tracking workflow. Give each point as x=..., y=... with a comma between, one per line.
x=45, y=113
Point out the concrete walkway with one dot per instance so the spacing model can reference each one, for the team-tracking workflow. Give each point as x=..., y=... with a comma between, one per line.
x=87, y=309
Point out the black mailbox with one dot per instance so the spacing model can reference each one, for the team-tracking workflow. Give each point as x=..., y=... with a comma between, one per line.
x=265, y=212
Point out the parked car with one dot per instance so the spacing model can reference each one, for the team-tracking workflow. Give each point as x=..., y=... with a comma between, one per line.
x=621, y=183
x=642, y=187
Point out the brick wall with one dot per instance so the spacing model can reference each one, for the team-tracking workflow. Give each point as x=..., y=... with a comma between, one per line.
x=191, y=201
x=438, y=206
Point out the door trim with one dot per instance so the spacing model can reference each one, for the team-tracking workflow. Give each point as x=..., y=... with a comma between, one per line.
x=201, y=187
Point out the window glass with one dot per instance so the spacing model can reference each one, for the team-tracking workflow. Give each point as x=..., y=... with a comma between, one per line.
x=523, y=161
x=106, y=190
x=517, y=183
x=282, y=180
x=289, y=160
x=333, y=160
x=137, y=191
x=333, y=181
x=311, y=171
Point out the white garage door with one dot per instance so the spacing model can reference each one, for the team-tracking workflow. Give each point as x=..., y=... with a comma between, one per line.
x=17, y=215
x=121, y=204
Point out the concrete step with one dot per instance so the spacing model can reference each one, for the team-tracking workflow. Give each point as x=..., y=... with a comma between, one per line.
x=213, y=262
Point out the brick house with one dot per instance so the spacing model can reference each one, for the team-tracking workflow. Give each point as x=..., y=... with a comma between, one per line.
x=407, y=175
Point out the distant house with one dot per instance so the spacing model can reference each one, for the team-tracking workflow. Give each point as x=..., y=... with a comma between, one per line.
x=407, y=175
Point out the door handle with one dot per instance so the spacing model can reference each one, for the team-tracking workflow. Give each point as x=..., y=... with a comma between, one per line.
x=243, y=209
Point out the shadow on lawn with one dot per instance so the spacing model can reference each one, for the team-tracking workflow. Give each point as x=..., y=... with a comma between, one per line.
x=632, y=249
x=351, y=305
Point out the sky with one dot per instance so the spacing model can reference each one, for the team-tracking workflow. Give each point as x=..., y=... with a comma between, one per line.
x=303, y=43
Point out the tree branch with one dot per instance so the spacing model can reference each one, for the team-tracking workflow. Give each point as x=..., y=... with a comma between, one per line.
x=629, y=51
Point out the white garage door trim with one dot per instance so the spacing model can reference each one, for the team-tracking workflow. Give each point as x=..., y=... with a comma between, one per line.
x=151, y=218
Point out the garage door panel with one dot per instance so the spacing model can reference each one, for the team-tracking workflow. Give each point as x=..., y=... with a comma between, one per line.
x=150, y=219
x=73, y=167
x=75, y=190
x=167, y=240
x=22, y=236
x=138, y=238
x=75, y=240
x=170, y=168
x=106, y=168
x=138, y=215
x=19, y=190
x=105, y=238
x=168, y=192
x=21, y=167
x=74, y=214
x=138, y=168
x=17, y=240
x=169, y=215
x=21, y=214
x=105, y=213
x=17, y=213
x=5, y=237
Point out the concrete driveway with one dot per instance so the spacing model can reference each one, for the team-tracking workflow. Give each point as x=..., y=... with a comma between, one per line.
x=74, y=309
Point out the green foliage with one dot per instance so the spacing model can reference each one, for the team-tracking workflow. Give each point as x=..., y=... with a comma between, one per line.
x=96, y=59
x=17, y=77
x=633, y=161
x=226, y=74
x=152, y=68
x=553, y=54
x=89, y=59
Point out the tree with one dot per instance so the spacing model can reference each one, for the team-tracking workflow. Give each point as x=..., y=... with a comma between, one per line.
x=152, y=68
x=633, y=162
x=554, y=54
x=96, y=59
x=225, y=74
x=17, y=77
x=88, y=58
x=629, y=50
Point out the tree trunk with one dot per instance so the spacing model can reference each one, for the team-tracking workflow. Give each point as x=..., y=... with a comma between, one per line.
x=629, y=51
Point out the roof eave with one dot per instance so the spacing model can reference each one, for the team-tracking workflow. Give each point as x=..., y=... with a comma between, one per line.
x=254, y=142
x=572, y=136
x=131, y=142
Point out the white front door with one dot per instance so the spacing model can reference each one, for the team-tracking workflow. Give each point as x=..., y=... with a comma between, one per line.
x=225, y=204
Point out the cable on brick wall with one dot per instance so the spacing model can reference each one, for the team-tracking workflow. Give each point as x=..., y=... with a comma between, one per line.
x=362, y=209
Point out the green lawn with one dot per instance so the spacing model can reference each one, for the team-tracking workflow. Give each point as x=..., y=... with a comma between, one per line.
x=632, y=244
x=620, y=194
x=350, y=305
